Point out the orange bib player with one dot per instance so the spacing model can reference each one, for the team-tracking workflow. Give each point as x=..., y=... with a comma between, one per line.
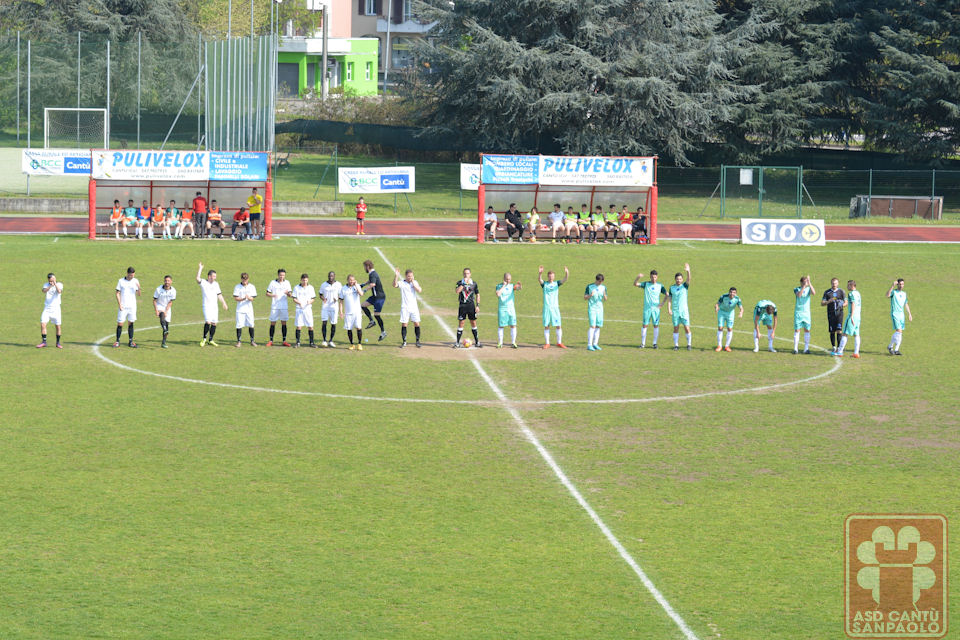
x=117, y=221
x=215, y=219
x=161, y=221
x=361, y=214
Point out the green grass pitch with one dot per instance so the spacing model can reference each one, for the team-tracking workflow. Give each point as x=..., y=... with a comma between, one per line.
x=144, y=506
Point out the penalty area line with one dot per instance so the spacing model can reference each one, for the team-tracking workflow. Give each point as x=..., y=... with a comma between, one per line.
x=564, y=480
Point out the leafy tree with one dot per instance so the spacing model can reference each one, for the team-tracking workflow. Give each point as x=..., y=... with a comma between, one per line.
x=115, y=19
x=589, y=76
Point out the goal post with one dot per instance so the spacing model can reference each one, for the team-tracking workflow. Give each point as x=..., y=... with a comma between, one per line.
x=77, y=128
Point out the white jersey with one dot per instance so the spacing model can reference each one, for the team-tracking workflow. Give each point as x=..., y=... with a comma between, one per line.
x=51, y=303
x=240, y=291
x=408, y=295
x=277, y=288
x=164, y=297
x=330, y=292
x=304, y=296
x=208, y=293
x=556, y=217
x=351, y=299
x=128, y=292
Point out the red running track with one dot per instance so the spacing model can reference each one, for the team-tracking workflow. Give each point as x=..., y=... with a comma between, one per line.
x=467, y=229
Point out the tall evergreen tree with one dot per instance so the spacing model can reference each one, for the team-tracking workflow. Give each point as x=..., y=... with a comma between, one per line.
x=159, y=20
x=592, y=76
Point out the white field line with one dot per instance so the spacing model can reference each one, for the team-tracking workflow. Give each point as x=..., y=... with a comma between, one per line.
x=297, y=242
x=56, y=239
x=564, y=480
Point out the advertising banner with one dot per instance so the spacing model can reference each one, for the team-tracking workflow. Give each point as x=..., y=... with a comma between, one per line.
x=790, y=232
x=240, y=166
x=470, y=176
x=377, y=179
x=151, y=165
x=601, y=171
x=55, y=162
x=504, y=169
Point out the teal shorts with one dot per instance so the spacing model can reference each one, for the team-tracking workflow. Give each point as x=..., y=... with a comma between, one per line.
x=681, y=319
x=506, y=318
x=851, y=327
x=764, y=319
x=725, y=320
x=651, y=316
x=595, y=317
x=801, y=323
x=898, y=322
x=129, y=221
x=551, y=317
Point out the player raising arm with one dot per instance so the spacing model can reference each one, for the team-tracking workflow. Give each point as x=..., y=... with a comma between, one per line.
x=163, y=299
x=210, y=294
x=801, y=313
x=595, y=294
x=898, y=304
x=551, y=305
x=678, y=308
x=52, y=291
x=409, y=309
x=725, y=306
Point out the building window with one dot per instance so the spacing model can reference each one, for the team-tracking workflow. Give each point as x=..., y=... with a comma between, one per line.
x=370, y=7
x=407, y=10
x=349, y=71
x=369, y=71
x=402, y=54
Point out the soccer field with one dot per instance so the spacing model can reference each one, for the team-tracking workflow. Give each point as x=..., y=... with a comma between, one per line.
x=480, y=493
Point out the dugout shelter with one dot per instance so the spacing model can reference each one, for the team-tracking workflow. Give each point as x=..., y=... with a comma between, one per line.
x=540, y=181
x=161, y=176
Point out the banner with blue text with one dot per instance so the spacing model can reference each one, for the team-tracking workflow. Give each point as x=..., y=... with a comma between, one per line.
x=178, y=165
x=612, y=171
x=377, y=179
x=55, y=162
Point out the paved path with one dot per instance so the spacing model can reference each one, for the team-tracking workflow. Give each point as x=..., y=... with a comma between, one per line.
x=425, y=227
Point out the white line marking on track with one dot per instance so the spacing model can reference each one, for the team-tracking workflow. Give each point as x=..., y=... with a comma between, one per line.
x=297, y=242
x=56, y=239
x=564, y=480
x=449, y=244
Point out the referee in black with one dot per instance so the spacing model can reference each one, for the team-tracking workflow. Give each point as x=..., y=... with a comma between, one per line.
x=834, y=300
x=468, y=297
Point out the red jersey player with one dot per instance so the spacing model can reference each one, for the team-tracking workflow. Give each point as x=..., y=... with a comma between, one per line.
x=361, y=214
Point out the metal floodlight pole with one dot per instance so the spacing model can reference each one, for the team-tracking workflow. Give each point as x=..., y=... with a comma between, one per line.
x=195, y=80
x=18, y=88
x=78, y=89
x=386, y=55
x=139, y=49
x=108, y=95
x=28, y=108
x=200, y=95
x=324, y=82
x=229, y=17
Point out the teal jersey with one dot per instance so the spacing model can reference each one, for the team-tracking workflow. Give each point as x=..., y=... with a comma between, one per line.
x=505, y=297
x=728, y=304
x=551, y=295
x=173, y=213
x=897, y=301
x=678, y=293
x=651, y=294
x=853, y=299
x=761, y=307
x=130, y=212
x=802, y=308
x=596, y=293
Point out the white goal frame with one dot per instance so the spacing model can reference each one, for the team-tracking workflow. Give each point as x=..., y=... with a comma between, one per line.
x=106, y=124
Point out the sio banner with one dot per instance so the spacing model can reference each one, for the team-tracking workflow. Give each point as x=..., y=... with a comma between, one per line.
x=55, y=162
x=470, y=176
x=790, y=232
x=241, y=166
x=377, y=179
x=613, y=171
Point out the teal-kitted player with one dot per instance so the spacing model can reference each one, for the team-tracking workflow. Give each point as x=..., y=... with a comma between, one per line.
x=652, y=290
x=898, y=304
x=851, y=326
x=764, y=313
x=595, y=294
x=801, y=313
x=506, y=310
x=725, y=307
x=551, y=305
x=678, y=308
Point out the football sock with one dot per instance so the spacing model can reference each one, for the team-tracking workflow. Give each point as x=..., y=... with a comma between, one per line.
x=239, y=334
x=546, y=336
x=896, y=347
x=893, y=340
x=719, y=337
x=298, y=335
x=333, y=330
x=366, y=312
x=213, y=330
x=416, y=332
x=729, y=337
x=796, y=339
x=380, y=322
x=499, y=335
x=656, y=334
x=273, y=329
x=250, y=331
x=130, y=330
x=559, y=335
x=476, y=339
x=119, y=332
x=283, y=331
x=350, y=335
x=359, y=336
x=43, y=337
x=806, y=341
x=150, y=232
x=676, y=338
x=843, y=343
x=856, y=344
x=770, y=338
x=58, y=339
x=310, y=335
x=643, y=336
x=590, y=331
x=403, y=333
x=206, y=329
x=689, y=338
x=596, y=336
x=756, y=338
x=513, y=335
x=323, y=331
x=459, y=335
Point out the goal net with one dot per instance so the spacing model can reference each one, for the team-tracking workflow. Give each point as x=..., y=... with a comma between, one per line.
x=72, y=128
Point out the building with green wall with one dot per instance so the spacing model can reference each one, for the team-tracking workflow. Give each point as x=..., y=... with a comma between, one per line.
x=351, y=66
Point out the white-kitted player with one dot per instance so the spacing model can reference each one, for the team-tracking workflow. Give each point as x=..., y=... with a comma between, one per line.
x=52, y=291
x=303, y=295
x=210, y=294
x=409, y=309
x=163, y=299
x=278, y=291
x=128, y=290
x=351, y=294
x=244, y=293
x=331, y=309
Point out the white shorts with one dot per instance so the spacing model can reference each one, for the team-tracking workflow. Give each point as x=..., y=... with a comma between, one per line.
x=167, y=314
x=329, y=313
x=244, y=319
x=351, y=321
x=409, y=315
x=279, y=314
x=304, y=317
x=127, y=315
x=211, y=315
x=556, y=225
x=626, y=228
x=50, y=316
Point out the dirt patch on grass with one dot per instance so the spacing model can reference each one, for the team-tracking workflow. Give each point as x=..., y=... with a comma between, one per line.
x=444, y=352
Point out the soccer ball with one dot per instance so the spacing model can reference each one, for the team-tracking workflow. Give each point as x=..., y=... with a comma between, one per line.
x=467, y=343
